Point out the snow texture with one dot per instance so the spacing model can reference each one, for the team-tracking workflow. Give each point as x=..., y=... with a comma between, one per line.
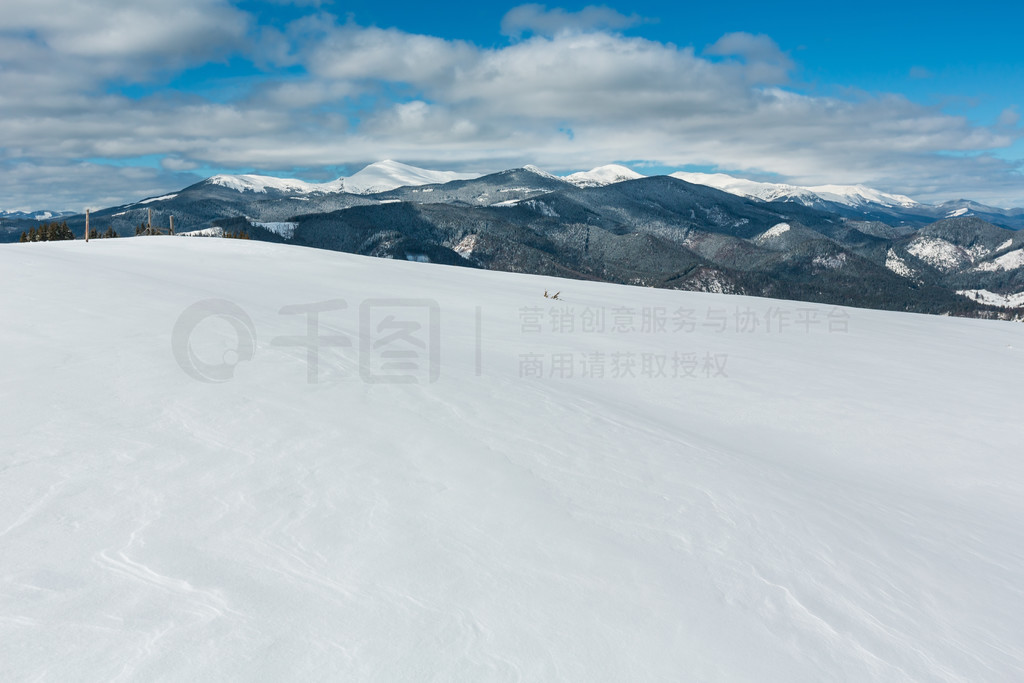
x=845, y=503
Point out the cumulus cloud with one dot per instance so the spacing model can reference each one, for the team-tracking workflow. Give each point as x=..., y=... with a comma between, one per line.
x=76, y=186
x=1009, y=117
x=539, y=20
x=766, y=62
x=367, y=93
x=124, y=37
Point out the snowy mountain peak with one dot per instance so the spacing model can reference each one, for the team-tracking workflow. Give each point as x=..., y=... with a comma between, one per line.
x=603, y=175
x=389, y=175
x=541, y=172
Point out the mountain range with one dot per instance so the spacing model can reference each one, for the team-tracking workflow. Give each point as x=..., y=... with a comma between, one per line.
x=848, y=245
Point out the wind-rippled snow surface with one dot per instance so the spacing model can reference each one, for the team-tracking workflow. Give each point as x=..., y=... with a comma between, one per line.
x=843, y=501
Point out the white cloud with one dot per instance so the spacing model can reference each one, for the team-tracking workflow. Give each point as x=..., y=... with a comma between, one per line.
x=370, y=93
x=765, y=61
x=539, y=20
x=1009, y=117
x=178, y=164
x=125, y=36
x=81, y=185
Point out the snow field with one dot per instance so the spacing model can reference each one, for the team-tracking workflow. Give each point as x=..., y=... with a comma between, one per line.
x=841, y=504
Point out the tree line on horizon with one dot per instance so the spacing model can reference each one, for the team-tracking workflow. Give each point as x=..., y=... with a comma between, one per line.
x=55, y=232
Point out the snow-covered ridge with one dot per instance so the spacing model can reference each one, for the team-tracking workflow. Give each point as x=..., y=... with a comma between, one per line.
x=541, y=172
x=858, y=195
x=164, y=198
x=849, y=195
x=35, y=215
x=377, y=177
x=262, y=183
x=388, y=175
x=747, y=188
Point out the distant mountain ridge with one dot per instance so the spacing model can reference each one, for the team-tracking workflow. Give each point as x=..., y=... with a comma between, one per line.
x=613, y=224
x=35, y=215
x=377, y=177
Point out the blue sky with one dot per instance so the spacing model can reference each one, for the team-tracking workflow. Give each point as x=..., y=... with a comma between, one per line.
x=110, y=101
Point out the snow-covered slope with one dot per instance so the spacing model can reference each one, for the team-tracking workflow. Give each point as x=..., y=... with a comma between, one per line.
x=837, y=496
x=994, y=299
x=940, y=253
x=377, y=177
x=262, y=183
x=858, y=195
x=388, y=175
x=748, y=188
x=603, y=175
x=1011, y=260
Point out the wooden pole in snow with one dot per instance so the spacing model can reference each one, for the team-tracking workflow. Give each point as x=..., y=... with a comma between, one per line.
x=149, y=221
x=87, y=225
x=172, y=225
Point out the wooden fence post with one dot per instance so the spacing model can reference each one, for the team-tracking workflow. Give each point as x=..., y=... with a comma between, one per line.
x=172, y=225
x=87, y=225
x=149, y=221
